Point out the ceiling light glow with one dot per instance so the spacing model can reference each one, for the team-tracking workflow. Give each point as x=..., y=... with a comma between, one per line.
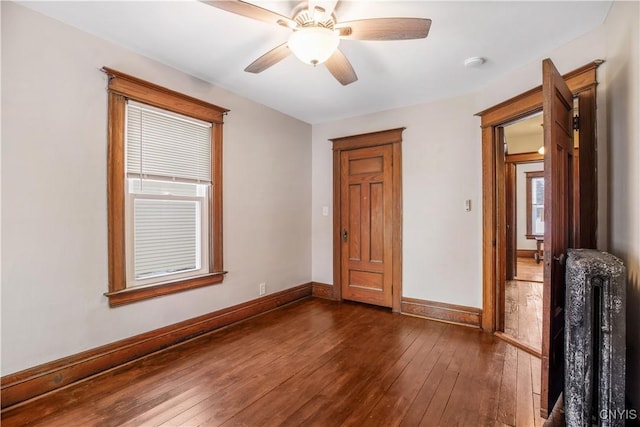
x=313, y=45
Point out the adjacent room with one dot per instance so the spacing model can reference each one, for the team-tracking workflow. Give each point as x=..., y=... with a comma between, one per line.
x=318, y=213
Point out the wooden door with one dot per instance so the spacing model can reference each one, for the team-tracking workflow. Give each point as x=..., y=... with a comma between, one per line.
x=366, y=222
x=558, y=231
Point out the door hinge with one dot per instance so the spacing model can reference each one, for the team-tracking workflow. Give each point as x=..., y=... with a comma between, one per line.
x=576, y=122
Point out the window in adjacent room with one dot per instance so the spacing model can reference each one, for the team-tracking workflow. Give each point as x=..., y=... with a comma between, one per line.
x=535, y=204
x=165, y=197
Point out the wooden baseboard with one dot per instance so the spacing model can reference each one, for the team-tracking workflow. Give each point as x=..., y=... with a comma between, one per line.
x=322, y=290
x=443, y=312
x=525, y=253
x=47, y=377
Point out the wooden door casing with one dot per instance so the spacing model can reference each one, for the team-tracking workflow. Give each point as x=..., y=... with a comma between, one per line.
x=512, y=220
x=558, y=231
x=366, y=194
x=582, y=82
x=389, y=141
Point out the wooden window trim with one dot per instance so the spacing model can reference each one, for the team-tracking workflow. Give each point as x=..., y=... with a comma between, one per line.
x=122, y=87
x=529, y=176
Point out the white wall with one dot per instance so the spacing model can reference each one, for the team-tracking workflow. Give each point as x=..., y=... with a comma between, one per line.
x=54, y=205
x=530, y=143
x=582, y=50
x=441, y=169
x=521, y=203
x=623, y=135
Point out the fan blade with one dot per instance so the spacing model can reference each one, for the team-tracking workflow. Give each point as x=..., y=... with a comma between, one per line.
x=341, y=68
x=385, y=29
x=251, y=11
x=270, y=58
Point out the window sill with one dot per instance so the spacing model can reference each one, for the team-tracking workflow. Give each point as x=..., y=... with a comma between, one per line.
x=128, y=296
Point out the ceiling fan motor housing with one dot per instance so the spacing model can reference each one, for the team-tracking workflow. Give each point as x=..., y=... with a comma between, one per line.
x=306, y=17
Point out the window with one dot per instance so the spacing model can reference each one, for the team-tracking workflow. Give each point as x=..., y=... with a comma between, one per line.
x=164, y=189
x=535, y=204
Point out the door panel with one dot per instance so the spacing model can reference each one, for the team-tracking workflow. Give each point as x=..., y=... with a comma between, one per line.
x=558, y=230
x=355, y=197
x=376, y=247
x=366, y=217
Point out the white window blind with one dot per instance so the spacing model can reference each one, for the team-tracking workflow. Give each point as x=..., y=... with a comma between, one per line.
x=168, y=159
x=166, y=236
x=165, y=144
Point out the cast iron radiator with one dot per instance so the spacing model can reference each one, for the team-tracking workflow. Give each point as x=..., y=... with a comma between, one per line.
x=594, y=339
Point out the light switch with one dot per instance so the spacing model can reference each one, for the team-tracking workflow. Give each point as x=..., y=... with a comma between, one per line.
x=325, y=211
x=467, y=205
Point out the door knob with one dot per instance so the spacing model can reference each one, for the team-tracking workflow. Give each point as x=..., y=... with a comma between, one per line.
x=345, y=234
x=560, y=258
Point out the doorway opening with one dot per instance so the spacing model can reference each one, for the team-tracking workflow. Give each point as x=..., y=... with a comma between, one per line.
x=524, y=228
x=574, y=207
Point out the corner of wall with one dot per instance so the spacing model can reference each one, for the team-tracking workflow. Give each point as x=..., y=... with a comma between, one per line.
x=622, y=79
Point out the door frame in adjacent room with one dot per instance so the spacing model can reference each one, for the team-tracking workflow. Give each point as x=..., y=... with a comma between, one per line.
x=392, y=137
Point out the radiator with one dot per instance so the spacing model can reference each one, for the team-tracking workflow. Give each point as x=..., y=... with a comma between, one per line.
x=595, y=345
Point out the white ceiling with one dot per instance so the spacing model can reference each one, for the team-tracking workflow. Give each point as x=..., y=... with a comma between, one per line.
x=216, y=46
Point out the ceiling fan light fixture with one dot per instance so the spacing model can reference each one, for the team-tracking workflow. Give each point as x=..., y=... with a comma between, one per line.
x=313, y=45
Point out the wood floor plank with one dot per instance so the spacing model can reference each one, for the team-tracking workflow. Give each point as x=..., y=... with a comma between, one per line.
x=278, y=404
x=523, y=304
x=321, y=408
x=524, y=395
x=529, y=270
x=511, y=308
x=371, y=375
x=535, y=375
x=508, y=388
x=252, y=384
x=438, y=403
x=523, y=312
x=461, y=402
x=444, y=350
x=394, y=401
x=189, y=363
x=530, y=298
x=490, y=366
x=314, y=363
x=536, y=411
x=418, y=407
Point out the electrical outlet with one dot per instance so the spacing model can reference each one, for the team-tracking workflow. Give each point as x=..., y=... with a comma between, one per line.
x=262, y=288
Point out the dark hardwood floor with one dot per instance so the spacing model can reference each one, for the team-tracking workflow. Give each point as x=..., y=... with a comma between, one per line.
x=313, y=363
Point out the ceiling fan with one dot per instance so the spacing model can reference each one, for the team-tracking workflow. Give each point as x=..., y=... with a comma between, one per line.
x=316, y=34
